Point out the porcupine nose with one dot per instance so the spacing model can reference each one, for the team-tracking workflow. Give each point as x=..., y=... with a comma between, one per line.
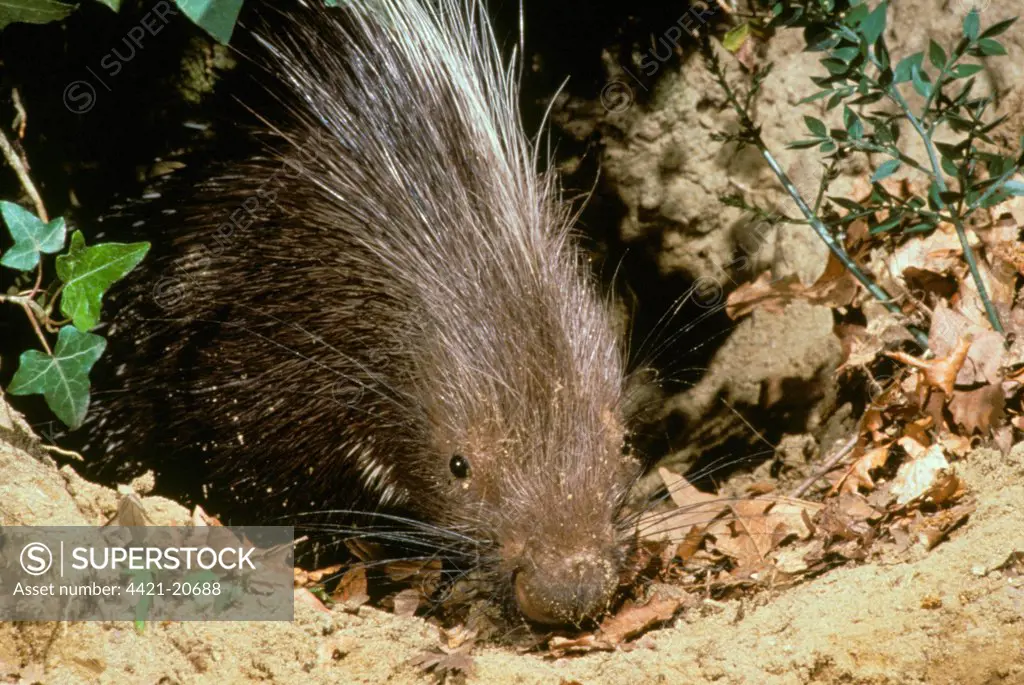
x=565, y=590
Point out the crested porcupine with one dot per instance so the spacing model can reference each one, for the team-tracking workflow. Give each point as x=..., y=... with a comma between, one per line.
x=382, y=311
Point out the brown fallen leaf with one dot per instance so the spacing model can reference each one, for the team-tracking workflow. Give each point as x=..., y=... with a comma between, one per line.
x=694, y=509
x=406, y=602
x=978, y=410
x=635, y=618
x=858, y=475
x=835, y=287
x=941, y=372
x=352, y=589
x=759, y=525
x=446, y=663
x=305, y=578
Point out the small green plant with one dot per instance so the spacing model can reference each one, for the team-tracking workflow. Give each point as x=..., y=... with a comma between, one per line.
x=961, y=177
x=84, y=273
x=216, y=17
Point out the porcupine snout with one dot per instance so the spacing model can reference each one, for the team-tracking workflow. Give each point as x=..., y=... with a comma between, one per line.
x=559, y=589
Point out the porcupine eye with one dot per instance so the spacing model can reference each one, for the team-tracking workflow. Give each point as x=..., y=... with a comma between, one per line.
x=459, y=466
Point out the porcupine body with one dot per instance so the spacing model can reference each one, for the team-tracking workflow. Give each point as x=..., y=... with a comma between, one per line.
x=383, y=311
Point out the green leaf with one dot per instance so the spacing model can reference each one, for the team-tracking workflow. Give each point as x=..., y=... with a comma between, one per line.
x=936, y=54
x=112, y=4
x=989, y=47
x=735, y=37
x=903, y=69
x=874, y=23
x=868, y=99
x=846, y=54
x=816, y=126
x=1015, y=188
x=216, y=17
x=817, y=96
x=31, y=236
x=33, y=11
x=62, y=379
x=972, y=23
x=856, y=14
x=949, y=167
x=885, y=170
x=920, y=80
x=890, y=223
x=835, y=66
x=803, y=144
x=998, y=28
x=87, y=272
x=882, y=53
x=965, y=70
x=847, y=204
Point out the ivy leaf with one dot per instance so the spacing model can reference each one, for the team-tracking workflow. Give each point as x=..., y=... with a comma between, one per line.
x=33, y=11
x=87, y=272
x=216, y=17
x=62, y=379
x=972, y=24
x=885, y=170
x=936, y=54
x=873, y=25
x=31, y=236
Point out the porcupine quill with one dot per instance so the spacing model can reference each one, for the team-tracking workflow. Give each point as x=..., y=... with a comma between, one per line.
x=383, y=311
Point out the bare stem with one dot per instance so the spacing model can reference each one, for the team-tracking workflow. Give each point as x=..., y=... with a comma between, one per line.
x=19, y=168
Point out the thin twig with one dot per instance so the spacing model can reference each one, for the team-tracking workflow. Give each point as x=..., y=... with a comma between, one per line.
x=829, y=464
x=26, y=182
x=21, y=116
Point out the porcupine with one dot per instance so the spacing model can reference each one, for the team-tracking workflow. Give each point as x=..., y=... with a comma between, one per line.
x=384, y=310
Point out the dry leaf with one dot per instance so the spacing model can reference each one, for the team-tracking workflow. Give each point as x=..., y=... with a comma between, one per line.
x=836, y=287
x=978, y=410
x=859, y=474
x=921, y=478
x=352, y=589
x=634, y=619
x=940, y=372
x=406, y=602
x=444, y=663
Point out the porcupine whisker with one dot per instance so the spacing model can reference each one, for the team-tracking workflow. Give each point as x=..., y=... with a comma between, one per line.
x=718, y=464
x=666, y=318
x=413, y=524
x=659, y=347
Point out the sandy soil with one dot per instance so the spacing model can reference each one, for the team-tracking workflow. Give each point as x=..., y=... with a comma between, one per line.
x=952, y=615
